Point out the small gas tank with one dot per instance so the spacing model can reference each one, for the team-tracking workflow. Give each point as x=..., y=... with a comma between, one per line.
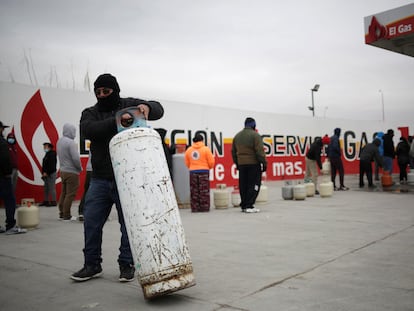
x=326, y=189
x=287, y=192
x=28, y=216
x=299, y=192
x=386, y=179
x=310, y=189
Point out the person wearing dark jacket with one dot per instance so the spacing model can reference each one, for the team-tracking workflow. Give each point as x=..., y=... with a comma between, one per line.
x=98, y=124
x=334, y=154
x=248, y=155
x=368, y=154
x=11, y=140
x=403, y=157
x=49, y=175
x=6, y=190
x=313, y=161
x=389, y=151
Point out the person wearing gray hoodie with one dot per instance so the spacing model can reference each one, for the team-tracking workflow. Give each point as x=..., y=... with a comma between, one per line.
x=70, y=167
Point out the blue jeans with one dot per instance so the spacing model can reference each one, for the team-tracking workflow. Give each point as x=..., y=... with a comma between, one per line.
x=100, y=197
x=387, y=164
x=6, y=193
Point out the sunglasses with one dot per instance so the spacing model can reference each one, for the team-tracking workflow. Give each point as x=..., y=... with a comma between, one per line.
x=103, y=90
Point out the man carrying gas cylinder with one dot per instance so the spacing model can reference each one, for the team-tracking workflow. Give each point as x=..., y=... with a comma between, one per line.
x=98, y=124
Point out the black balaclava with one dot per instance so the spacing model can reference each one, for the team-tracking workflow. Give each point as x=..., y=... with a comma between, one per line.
x=111, y=102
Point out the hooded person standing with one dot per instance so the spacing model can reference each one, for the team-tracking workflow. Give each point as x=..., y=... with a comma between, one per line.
x=335, y=157
x=199, y=160
x=11, y=140
x=389, y=151
x=98, y=124
x=6, y=190
x=70, y=167
x=248, y=155
x=403, y=158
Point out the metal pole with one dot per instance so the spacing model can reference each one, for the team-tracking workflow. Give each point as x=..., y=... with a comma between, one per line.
x=313, y=106
x=382, y=103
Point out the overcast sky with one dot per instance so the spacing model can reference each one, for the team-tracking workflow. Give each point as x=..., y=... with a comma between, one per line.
x=261, y=55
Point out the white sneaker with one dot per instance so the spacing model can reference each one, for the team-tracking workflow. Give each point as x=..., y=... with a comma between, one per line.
x=252, y=210
x=16, y=230
x=73, y=218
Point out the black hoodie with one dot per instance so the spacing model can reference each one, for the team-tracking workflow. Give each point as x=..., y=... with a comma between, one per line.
x=98, y=124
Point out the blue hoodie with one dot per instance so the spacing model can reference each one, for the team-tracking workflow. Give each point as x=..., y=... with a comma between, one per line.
x=380, y=136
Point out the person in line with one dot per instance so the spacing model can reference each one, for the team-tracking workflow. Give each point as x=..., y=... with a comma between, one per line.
x=411, y=153
x=403, y=157
x=313, y=161
x=389, y=151
x=70, y=167
x=199, y=160
x=11, y=140
x=6, y=190
x=248, y=155
x=380, y=136
x=49, y=175
x=85, y=186
x=335, y=157
x=98, y=124
x=369, y=153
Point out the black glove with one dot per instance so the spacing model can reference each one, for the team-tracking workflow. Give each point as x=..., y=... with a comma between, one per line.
x=264, y=167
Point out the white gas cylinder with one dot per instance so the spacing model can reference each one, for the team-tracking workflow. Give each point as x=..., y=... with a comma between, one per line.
x=221, y=198
x=326, y=167
x=27, y=216
x=299, y=192
x=310, y=189
x=263, y=195
x=235, y=197
x=326, y=189
x=151, y=213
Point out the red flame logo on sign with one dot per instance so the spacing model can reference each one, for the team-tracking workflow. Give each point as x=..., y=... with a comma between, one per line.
x=35, y=122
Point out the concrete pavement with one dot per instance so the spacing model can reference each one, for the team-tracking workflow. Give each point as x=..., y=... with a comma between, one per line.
x=352, y=251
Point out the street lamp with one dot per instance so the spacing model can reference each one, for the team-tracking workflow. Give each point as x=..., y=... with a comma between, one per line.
x=382, y=104
x=312, y=108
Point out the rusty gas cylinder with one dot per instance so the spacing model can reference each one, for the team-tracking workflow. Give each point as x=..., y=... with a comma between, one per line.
x=151, y=213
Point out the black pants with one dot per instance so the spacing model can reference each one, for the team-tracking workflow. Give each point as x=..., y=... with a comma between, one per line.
x=336, y=165
x=365, y=167
x=250, y=179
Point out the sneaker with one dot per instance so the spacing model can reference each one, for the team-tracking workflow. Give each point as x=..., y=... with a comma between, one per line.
x=2, y=230
x=87, y=273
x=80, y=218
x=316, y=192
x=127, y=273
x=16, y=230
x=72, y=218
x=243, y=210
x=44, y=203
x=343, y=188
x=252, y=210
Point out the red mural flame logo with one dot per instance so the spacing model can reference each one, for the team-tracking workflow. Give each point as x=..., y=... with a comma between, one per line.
x=35, y=121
